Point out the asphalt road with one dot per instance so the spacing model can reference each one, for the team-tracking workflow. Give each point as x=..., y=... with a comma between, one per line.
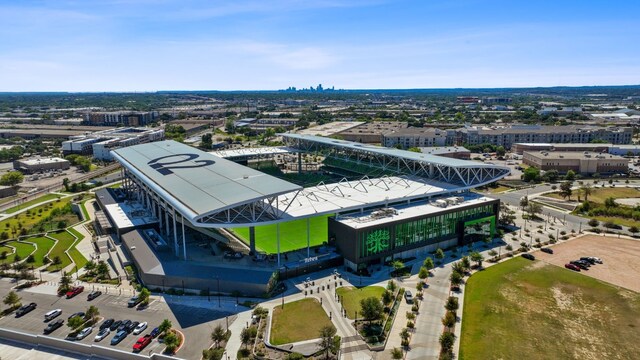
x=195, y=323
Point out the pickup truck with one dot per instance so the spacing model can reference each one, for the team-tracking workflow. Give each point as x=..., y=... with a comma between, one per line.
x=74, y=291
x=142, y=343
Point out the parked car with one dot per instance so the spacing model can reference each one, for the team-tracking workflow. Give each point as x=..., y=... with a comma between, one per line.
x=547, y=250
x=52, y=314
x=25, y=309
x=579, y=264
x=572, y=267
x=106, y=324
x=134, y=301
x=53, y=326
x=116, y=324
x=132, y=326
x=94, y=294
x=596, y=259
x=74, y=291
x=102, y=334
x=585, y=263
x=121, y=334
x=155, y=332
x=124, y=325
x=84, y=332
x=528, y=256
x=79, y=313
x=140, y=328
x=142, y=343
x=588, y=259
x=233, y=255
x=408, y=296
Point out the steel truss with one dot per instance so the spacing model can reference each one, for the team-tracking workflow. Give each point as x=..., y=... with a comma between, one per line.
x=467, y=175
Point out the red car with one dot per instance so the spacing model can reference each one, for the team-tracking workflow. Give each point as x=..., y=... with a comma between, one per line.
x=74, y=291
x=142, y=343
x=572, y=267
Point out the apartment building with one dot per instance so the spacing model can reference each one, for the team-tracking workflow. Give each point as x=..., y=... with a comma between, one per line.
x=415, y=137
x=100, y=144
x=126, y=118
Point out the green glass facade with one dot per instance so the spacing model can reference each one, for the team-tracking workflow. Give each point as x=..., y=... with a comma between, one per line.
x=384, y=240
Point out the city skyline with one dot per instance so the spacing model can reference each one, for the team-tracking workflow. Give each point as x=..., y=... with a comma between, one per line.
x=142, y=45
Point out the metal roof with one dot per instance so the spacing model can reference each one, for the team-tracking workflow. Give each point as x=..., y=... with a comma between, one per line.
x=196, y=182
x=403, y=154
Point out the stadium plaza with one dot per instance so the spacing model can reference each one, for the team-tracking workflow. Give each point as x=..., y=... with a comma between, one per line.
x=239, y=220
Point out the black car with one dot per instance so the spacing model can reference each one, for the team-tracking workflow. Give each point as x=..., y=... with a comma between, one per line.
x=53, y=326
x=547, y=250
x=25, y=309
x=132, y=326
x=94, y=294
x=528, y=256
x=107, y=323
x=79, y=313
x=124, y=325
x=116, y=324
x=589, y=260
x=585, y=263
x=579, y=264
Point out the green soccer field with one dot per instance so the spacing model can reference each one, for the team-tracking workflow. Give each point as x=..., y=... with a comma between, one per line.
x=293, y=235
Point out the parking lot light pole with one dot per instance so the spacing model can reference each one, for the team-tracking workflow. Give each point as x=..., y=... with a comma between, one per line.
x=218, y=280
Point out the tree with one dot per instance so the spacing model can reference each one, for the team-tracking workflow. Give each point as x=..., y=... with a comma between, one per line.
x=610, y=202
x=439, y=254
x=477, y=258
x=423, y=273
x=447, y=340
x=12, y=300
x=31, y=259
x=551, y=176
x=593, y=223
x=391, y=286
x=92, y=313
x=455, y=278
x=466, y=263
x=428, y=263
x=144, y=296
x=534, y=209
x=397, y=265
x=75, y=322
x=206, y=141
x=451, y=304
x=64, y=284
x=57, y=260
x=371, y=308
x=404, y=334
x=65, y=183
x=570, y=176
x=414, y=149
x=387, y=297
x=634, y=229
x=245, y=337
x=218, y=335
x=171, y=341
x=531, y=174
x=449, y=319
x=165, y=326
x=396, y=354
x=586, y=191
x=458, y=267
x=524, y=201
x=500, y=151
x=102, y=270
x=327, y=333
x=12, y=178
x=565, y=189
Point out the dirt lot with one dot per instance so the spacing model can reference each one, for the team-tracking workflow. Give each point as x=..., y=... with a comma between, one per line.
x=620, y=256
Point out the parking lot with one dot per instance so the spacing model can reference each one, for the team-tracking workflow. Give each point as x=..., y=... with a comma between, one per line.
x=195, y=323
x=619, y=255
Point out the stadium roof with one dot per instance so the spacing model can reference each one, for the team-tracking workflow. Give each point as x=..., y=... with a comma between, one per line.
x=196, y=182
x=251, y=152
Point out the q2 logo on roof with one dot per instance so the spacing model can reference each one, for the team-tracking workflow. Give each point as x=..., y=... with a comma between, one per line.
x=165, y=167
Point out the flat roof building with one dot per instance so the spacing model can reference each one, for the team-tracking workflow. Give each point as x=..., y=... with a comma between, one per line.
x=520, y=148
x=371, y=132
x=99, y=144
x=35, y=165
x=455, y=152
x=415, y=137
x=579, y=162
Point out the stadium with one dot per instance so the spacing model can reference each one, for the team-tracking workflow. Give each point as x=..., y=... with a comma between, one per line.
x=239, y=220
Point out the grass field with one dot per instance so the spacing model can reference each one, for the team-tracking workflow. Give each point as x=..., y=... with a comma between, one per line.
x=293, y=235
x=75, y=254
x=599, y=195
x=299, y=320
x=44, y=245
x=532, y=310
x=22, y=249
x=38, y=200
x=351, y=297
x=34, y=216
x=65, y=240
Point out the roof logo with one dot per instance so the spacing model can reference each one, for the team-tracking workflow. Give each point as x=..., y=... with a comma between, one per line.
x=164, y=169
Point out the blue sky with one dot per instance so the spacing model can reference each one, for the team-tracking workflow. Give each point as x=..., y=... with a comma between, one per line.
x=147, y=45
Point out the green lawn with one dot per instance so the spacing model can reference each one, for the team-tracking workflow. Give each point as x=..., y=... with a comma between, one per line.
x=299, y=320
x=293, y=235
x=65, y=240
x=44, y=245
x=351, y=297
x=78, y=258
x=34, y=216
x=38, y=200
x=22, y=249
x=535, y=310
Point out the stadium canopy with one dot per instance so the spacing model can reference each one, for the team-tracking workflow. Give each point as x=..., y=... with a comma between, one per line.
x=213, y=192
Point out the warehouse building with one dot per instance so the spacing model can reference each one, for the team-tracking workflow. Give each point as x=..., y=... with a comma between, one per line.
x=36, y=165
x=580, y=162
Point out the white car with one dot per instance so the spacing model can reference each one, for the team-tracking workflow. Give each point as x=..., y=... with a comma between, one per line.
x=102, y=334
x=52, y=314
x=596, y=259
x=84, y=332
x=140, y=328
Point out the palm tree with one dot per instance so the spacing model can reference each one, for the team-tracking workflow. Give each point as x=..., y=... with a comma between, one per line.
x=218, y=335
x=586, y=190
x=92, y=313
x=165, y=326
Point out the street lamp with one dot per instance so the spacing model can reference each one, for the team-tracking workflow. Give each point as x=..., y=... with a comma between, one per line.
x=218, y=280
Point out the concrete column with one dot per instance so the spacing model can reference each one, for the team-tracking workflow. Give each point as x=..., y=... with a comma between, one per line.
x=252, y=240
x=184, y=240
x=175, y=233
x=166, y=222
x=159, y=215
